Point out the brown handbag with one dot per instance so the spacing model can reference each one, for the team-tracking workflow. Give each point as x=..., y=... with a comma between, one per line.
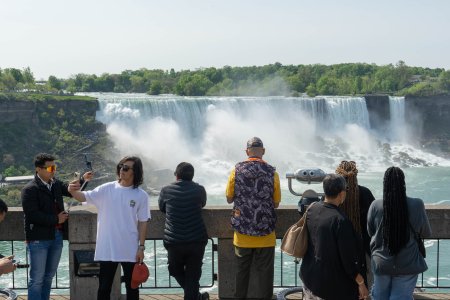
x=295, y=240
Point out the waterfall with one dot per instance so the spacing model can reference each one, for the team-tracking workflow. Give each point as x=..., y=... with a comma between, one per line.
x=211, y=132
x=398, y=127
x=191, y=113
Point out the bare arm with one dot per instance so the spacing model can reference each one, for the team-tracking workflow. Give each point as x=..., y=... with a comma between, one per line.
x=74, y=190
x=142, y=229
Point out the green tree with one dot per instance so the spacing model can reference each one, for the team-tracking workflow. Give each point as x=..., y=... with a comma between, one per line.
x=444, y=81
x=54, y=83
x=155, y=88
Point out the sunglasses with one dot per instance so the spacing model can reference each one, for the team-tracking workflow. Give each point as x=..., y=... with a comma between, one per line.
x=125, y=168
x=50, y=169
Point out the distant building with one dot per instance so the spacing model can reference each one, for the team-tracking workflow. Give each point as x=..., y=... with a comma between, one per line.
x=10, y=180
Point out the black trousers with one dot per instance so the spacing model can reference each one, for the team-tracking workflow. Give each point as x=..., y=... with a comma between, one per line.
x=106, y=278
x=185, y=265
x=262, y=259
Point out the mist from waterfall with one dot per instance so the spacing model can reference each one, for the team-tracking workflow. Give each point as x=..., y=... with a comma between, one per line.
x=211, y=133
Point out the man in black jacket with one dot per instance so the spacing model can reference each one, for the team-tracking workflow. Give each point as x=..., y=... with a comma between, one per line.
x=185, y=235
x=43, y=207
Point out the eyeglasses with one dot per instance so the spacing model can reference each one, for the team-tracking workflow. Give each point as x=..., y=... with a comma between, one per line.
x=125, y=168
x=50, y=169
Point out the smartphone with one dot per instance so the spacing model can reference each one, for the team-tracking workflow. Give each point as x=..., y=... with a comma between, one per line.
x=88, y=168
x=83, y=183
x=19, y=265
x=76, y=176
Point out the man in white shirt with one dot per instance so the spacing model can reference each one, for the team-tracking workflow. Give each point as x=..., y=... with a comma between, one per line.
x=123, y=212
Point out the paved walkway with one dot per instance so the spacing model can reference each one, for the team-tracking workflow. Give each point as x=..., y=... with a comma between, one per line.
x=421, y=296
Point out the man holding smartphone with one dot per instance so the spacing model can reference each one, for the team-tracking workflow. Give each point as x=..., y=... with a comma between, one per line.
x=123, y=212
x=43, y=207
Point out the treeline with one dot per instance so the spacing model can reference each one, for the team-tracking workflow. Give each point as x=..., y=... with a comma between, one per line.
x=268, y=80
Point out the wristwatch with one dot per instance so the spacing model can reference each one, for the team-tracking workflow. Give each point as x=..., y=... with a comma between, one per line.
x=142, y=247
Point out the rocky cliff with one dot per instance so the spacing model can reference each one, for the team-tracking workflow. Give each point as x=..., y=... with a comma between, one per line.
x=428, y=117
x=57, y=126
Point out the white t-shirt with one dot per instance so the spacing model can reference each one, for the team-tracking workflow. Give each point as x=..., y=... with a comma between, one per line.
x=119, y=210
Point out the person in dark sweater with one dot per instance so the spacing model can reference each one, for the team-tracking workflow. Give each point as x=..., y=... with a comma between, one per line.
x=185, y=235
x=331, y=268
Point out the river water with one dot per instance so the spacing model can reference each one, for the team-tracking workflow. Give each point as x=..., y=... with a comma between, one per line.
x=211, y=132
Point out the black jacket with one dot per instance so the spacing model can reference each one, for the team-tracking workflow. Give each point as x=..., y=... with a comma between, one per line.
x=332, y=260
x=38, y=204
x=365, y=199
x=182, y=202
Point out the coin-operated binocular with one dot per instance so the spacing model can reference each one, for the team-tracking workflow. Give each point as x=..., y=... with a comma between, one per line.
x=307, y=176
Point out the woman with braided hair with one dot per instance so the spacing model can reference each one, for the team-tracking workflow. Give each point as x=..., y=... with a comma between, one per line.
x=356, y=206
x=396, y=260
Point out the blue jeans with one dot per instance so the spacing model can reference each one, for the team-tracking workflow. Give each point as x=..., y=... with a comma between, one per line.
x=44, y=259
x=398, y=287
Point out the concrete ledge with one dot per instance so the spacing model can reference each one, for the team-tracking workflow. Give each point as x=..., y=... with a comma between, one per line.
x=83, y=222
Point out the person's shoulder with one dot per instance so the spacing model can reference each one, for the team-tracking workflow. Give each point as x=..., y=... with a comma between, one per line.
x=111, y=184
x=30, y=184
x=364, y=189
x=377, y=204
x=415, y=202
x=197, y=185
x=107, y=186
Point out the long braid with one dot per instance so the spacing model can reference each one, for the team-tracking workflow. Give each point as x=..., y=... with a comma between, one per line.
x=395, y=211
x=351, y=204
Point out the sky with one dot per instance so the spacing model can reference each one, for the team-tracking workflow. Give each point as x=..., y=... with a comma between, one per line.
x=64, y=38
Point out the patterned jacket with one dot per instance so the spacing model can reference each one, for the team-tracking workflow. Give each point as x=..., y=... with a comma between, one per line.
x=254, y=212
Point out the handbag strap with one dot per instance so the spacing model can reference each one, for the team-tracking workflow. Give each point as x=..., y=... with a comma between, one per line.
x=303, y=218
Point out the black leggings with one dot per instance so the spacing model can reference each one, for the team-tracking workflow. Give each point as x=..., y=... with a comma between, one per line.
x=106, y=278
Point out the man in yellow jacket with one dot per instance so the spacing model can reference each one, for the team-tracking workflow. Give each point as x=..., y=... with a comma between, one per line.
x=254, y=189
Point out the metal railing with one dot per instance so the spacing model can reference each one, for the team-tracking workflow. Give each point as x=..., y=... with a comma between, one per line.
x=159, y=278
x=286, y=268
x=18, y=249
x=156, y=260
x=430, y=279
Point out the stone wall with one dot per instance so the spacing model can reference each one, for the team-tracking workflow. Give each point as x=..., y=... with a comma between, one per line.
x=379, y=111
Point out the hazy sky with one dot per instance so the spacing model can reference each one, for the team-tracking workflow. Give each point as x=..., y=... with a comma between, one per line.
x=62, y=38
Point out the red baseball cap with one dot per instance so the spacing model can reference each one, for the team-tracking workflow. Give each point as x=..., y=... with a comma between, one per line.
x=140, y=275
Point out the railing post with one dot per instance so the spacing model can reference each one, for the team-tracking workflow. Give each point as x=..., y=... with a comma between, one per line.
x=82, y=236
x=226, y=268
